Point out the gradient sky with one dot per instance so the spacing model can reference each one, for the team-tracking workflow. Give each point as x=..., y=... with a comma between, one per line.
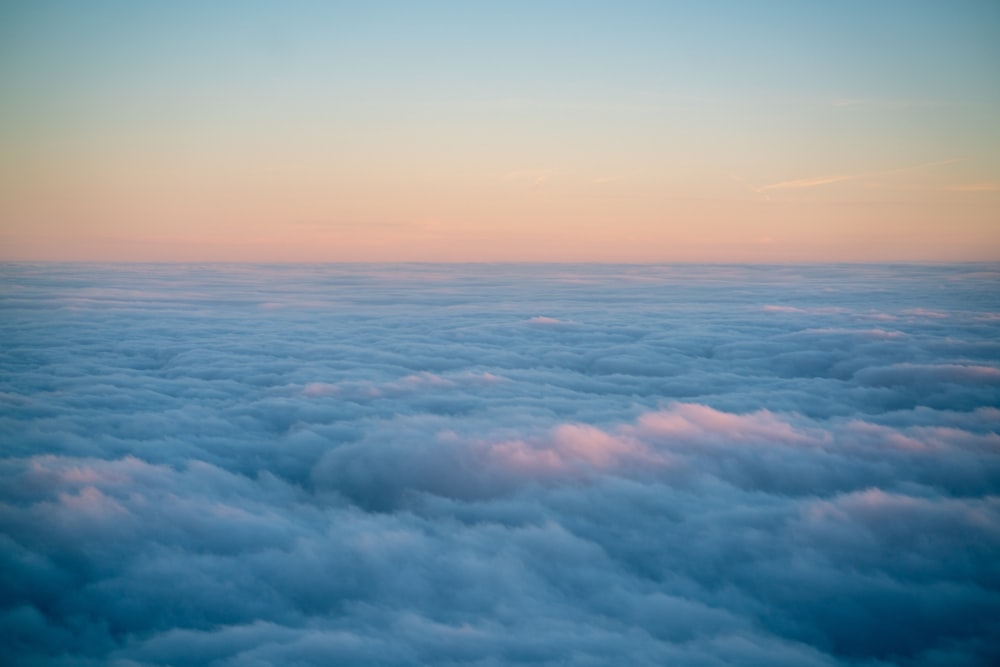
x=550, y=131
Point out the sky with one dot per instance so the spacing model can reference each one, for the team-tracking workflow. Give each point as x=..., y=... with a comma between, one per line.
x=487, y=465
x=516, y=131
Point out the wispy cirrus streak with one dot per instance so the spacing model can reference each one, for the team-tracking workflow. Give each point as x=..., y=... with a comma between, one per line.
x=828, y=180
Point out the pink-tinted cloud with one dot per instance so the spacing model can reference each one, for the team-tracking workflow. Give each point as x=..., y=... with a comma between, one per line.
x=686, y=422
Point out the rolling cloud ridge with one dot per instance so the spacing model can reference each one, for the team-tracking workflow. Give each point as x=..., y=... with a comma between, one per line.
x=499, y=464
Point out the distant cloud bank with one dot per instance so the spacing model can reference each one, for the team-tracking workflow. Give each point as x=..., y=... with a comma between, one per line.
x=499, y=465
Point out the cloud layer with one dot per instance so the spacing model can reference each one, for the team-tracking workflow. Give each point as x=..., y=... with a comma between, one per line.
x=494, y=465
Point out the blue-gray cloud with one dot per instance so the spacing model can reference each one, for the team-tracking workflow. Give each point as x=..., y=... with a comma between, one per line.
x=492, y=465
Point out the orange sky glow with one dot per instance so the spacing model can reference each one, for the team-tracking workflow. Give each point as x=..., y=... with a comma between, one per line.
x=642, y=134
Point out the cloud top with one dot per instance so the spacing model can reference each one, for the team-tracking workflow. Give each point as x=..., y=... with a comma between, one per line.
x=407, y=465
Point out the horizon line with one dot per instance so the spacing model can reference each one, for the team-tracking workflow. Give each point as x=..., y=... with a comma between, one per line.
x=928, y=262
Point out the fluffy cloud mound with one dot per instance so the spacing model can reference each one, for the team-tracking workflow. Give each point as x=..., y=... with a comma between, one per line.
x=492, y=465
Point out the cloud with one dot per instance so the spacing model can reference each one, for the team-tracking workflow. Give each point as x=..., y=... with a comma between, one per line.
x=532, y=177
x=887, y=103
x=973, y=187
x=829, y=180
x=544, y=321
x=807, y=182
x=910, y=374
x=476, y=465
